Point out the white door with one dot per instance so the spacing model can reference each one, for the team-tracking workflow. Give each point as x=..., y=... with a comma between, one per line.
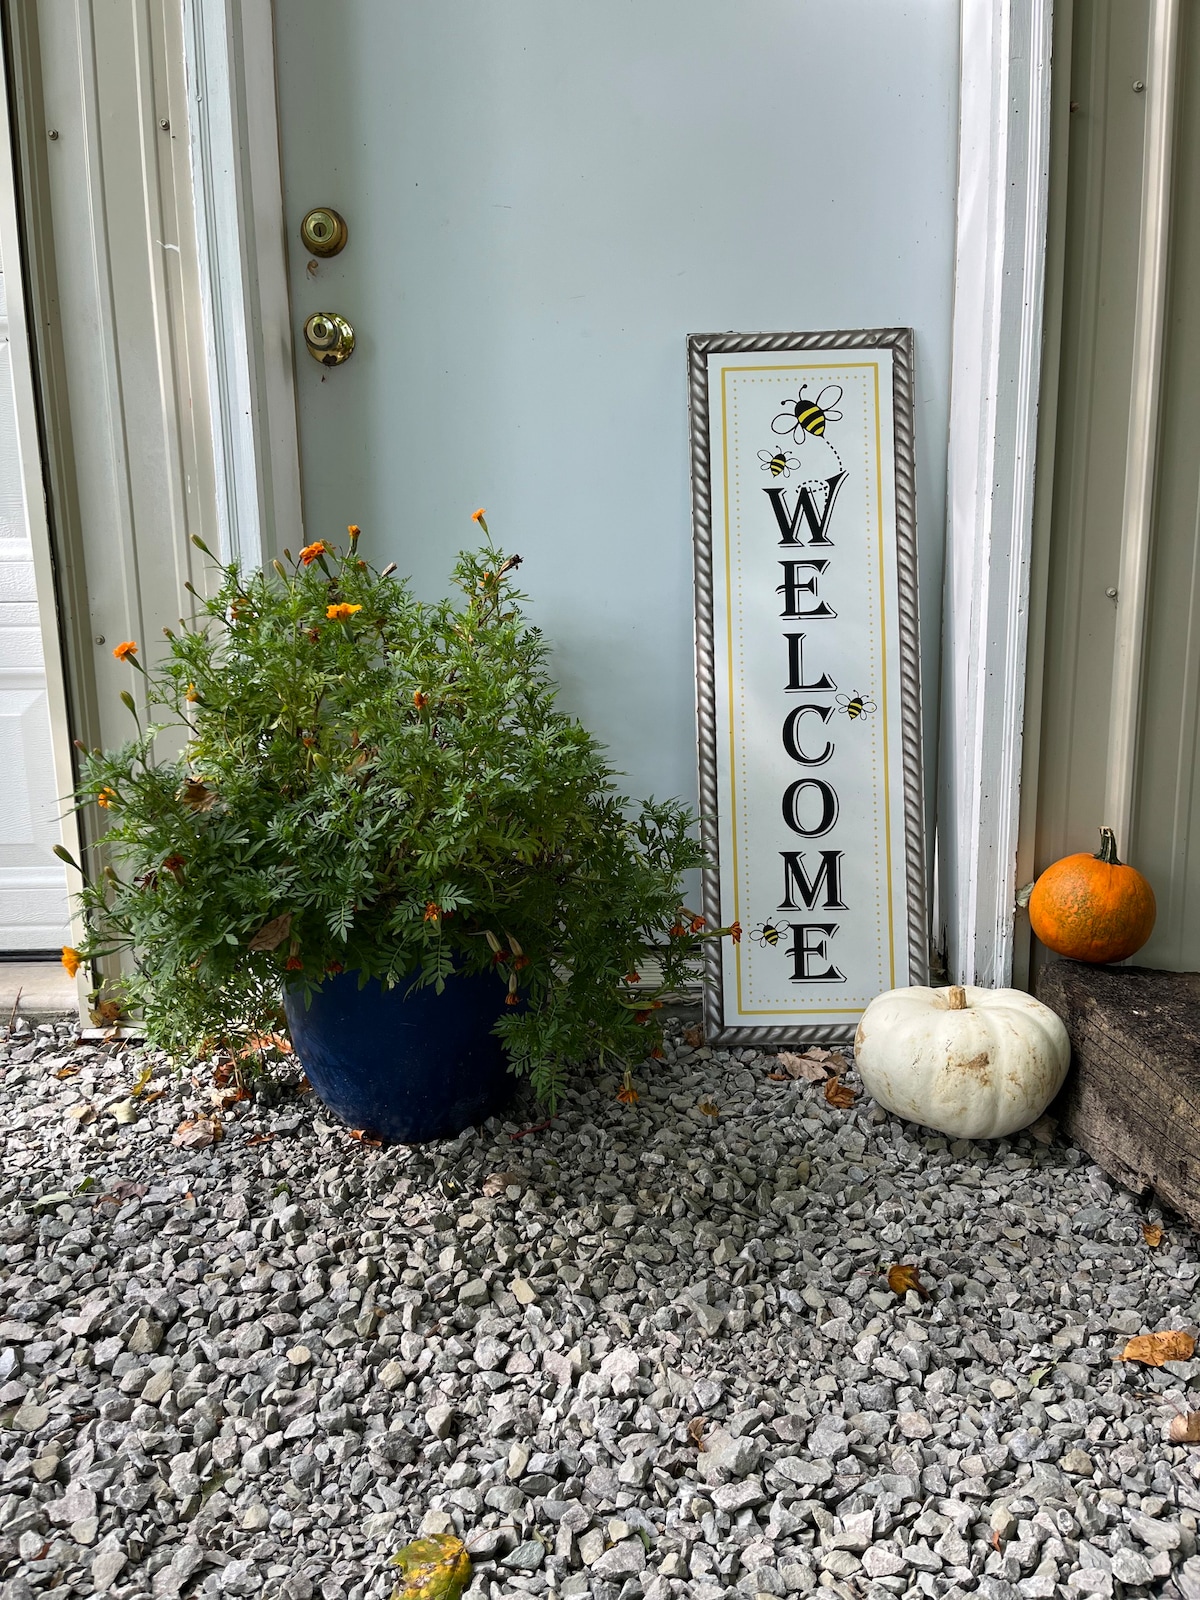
x=543, y=200
x=33, y=889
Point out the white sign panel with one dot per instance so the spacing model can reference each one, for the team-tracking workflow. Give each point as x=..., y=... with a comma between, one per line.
x=808, y=677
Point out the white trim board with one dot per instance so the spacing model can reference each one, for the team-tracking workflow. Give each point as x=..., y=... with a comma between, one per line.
x=1141, y=454
x=1003, y=186
x=229, y=49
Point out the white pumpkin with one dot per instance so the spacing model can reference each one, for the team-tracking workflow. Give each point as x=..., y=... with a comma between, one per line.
x=975, y=1063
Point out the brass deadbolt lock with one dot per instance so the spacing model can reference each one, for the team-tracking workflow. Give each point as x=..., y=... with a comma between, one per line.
x=324, y=232
x=330, y=338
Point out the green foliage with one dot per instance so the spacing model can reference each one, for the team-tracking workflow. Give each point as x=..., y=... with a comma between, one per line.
x=370, y=783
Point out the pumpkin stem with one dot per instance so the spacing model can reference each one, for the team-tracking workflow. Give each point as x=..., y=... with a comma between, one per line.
x=1108, y=848
x=956, y=998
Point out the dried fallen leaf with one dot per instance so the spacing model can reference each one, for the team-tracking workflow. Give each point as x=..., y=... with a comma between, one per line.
x=259, y=1042
x=124, y=1111
x=66, y=1072
x=810, y=1066
x=105, y=1013
x=260, y=1138
x=1185, y=1429
x=903, y=1278
x=126, y=1189
x=198, y=1133
x=81, y=1114
x=1152, y=1349
x=366, y=1138
x=197, y=795
x=272, y=934
x=1153, y=1234
x=143, y=1078
x=695, y=1432
x=437, y=1568
x=709, y=1107
x=1043, y=1130
x=839, y=1094
x=304, y=1087
x=693, y=1037
x=497, y=1182
x=224, y=1098
x=779, y=1077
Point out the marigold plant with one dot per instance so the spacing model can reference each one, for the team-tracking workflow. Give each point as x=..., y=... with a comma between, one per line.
x=372, y=783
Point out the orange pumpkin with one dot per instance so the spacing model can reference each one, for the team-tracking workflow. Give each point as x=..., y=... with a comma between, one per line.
x=1093, y=908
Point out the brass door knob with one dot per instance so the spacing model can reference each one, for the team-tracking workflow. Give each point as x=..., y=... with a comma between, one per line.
x=330, y=338
x=324, y=232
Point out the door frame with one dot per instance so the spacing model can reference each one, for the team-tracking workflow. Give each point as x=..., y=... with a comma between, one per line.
x=237, y=189
x=1003, y=179
x=1006, y=77
x=33, y=486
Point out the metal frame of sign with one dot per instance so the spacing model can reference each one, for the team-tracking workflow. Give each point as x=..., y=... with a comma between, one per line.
x=744, y=761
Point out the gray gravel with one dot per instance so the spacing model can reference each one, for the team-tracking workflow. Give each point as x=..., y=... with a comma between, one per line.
x=258, y=1368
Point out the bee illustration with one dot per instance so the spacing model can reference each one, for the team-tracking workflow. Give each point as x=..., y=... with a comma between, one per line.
x=856, y=705
x=809, y=416
x=780, y=462
x=768, y=933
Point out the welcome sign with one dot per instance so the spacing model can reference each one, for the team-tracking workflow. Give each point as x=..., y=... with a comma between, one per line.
x=808, y=678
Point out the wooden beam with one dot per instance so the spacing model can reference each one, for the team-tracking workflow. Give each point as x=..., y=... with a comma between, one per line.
x=1132, y=1100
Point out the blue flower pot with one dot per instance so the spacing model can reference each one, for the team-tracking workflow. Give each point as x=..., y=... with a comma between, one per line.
x=405, y=1067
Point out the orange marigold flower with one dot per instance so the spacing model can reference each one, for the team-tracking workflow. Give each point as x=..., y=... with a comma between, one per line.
x=193, y=694
x=633, y=977
x=311, y=551
x=71, y=959
x=499, y=957
x=627, y=1094
x=520, y=961
x=125, y=650
x=657, y=1053
x=353, y=530
x=333, y=968
x=696, y=924
x=677, y=930
x=641, y=1016
x=735, y=932
x=420, y=699
x=105, y=798
x=342, y=612
x=513, y=999
x=174, y=865
x=432, y=911
x=478, y=516
x=294, y=964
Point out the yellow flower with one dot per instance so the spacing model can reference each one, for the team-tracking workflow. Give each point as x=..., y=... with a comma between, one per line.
x=311, y=551
x=477, y=516
x=341, y=612
x=71, y=959
x=105, y=798
x=125, y=650
x=353, y=530
x=193, y=694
